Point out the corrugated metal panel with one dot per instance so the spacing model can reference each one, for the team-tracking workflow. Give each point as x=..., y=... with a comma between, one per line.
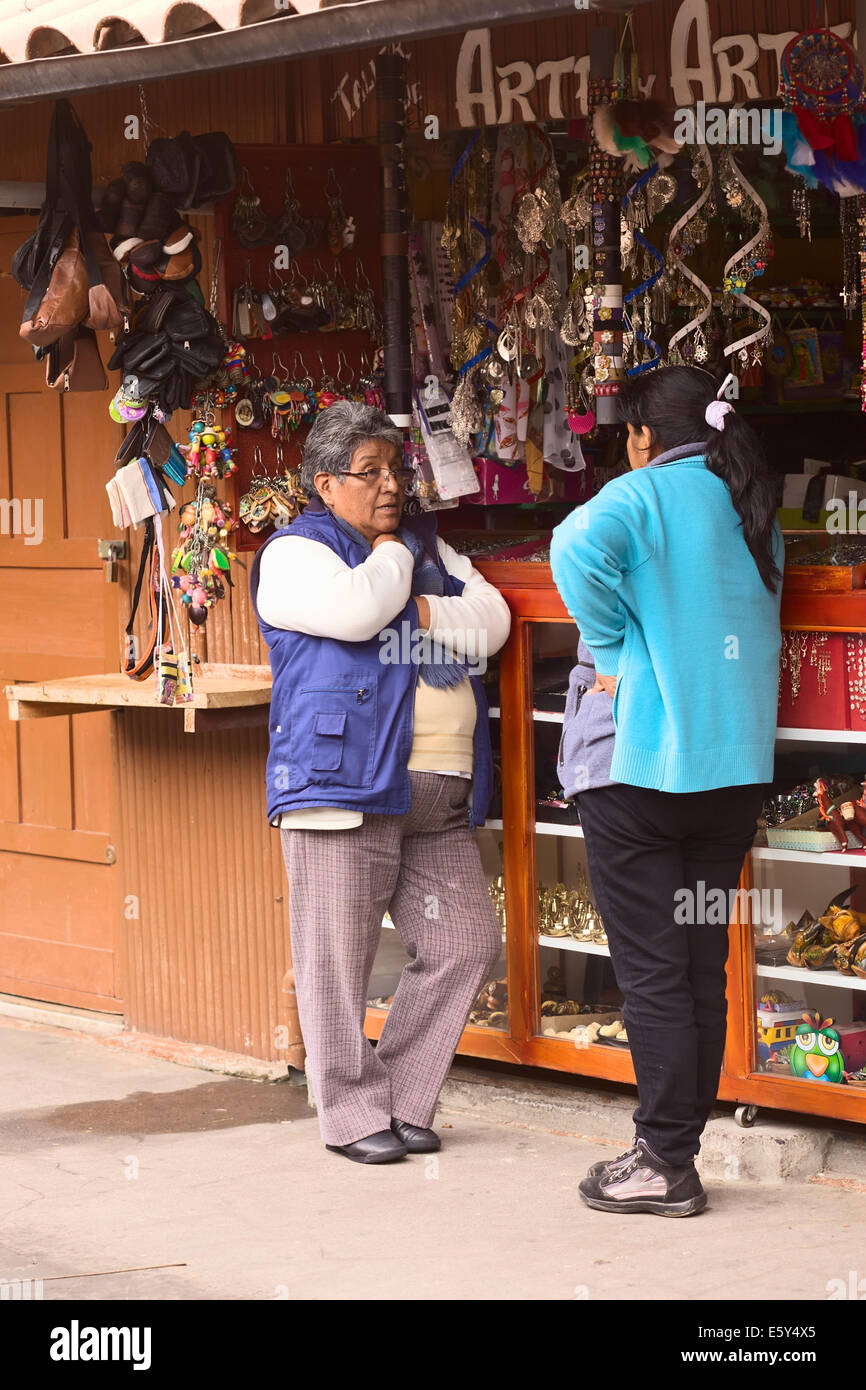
x=40, y=28
x=203, y=895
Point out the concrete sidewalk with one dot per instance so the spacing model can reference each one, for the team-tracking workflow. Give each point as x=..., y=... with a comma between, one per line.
x=125, y=1176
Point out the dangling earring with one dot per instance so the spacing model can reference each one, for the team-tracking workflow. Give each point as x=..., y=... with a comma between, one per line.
x=341, y=229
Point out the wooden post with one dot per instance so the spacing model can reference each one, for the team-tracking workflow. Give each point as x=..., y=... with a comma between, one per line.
x=602, y=50
x=390, y=119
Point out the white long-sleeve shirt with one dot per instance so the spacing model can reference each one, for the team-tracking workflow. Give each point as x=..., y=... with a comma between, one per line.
x=306, y=587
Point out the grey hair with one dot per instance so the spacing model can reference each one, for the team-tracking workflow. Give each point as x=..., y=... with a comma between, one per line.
x=337, y=432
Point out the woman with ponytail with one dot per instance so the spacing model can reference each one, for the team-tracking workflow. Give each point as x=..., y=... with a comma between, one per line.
x=672, y=574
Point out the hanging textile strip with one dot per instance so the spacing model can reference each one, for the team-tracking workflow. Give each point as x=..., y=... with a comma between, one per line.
x=694, y=324
x=424, y=298
x=472, y=142
x=744, y=252
x=647, y=285
x=861, y=224
x=461, y=285
x=470, y=274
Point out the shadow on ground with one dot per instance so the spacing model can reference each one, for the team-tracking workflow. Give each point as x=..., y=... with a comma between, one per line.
x=226, y=1104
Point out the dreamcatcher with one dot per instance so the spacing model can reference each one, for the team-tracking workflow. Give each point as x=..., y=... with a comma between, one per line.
x=823, y=124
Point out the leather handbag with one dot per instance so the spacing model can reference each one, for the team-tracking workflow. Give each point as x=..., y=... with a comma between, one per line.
x=73, y=363
x=64, y=303
x=64, y=266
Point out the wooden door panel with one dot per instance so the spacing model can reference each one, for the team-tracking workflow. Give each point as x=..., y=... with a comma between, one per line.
x=90, y=439
x=58, y=617
x=33, y=422
x=45, y=782
x=52, y=612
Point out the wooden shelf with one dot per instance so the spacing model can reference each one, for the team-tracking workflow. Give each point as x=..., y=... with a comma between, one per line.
x=220, y=695
x=541, y=716
x=805, y=856
x=568, y=943
x=814, y=977
x=821, y=736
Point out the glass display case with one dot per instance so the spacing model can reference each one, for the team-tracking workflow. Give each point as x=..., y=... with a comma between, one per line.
x=553, y=1001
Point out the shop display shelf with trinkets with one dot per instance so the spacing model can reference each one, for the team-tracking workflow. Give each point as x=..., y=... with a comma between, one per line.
x=803, y=976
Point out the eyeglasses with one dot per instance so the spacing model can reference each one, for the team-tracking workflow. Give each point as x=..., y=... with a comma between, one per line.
x=404, y=477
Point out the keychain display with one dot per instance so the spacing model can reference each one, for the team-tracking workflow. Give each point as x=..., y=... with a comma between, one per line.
x=250, y=225
x=340, y=232
x=201, y=562
x=316, y=273
x=270, y=500
x=294, y=231
x=209, y=453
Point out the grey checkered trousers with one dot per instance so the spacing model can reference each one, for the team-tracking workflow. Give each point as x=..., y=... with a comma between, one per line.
x=425, y=868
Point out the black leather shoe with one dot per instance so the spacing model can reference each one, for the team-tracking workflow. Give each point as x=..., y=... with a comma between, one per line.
x=645, y=1184
x=416, y=1140
x=381, y=1147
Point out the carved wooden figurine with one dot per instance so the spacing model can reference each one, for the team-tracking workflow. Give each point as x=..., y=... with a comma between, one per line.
x=830, y=814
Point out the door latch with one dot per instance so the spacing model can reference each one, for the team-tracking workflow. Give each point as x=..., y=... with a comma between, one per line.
x=111, y=552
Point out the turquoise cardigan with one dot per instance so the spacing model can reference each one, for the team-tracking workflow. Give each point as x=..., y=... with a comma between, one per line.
x=667, y=597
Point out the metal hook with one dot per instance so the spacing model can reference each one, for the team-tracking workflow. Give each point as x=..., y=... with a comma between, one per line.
x=360, y=271
x=341, y=363
x=299, y=375
x=332, y=178
x=278, y=362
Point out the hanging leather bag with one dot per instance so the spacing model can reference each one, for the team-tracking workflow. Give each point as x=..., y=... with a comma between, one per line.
x=64, y=264
x=73, y=363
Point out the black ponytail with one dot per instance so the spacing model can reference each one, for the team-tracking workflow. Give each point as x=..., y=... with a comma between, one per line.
x=671, y=402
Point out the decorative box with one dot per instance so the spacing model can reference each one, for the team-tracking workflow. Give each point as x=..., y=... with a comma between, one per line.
x=503, y=483
x=855, y=662
x=809, y=832
x=507, y=484
x=836, y=487
x=852, y=1041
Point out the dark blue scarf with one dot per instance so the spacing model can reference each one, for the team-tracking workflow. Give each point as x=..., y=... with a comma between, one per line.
x=439, y=667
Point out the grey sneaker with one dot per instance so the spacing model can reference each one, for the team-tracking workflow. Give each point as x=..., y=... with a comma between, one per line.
x=645, y=1184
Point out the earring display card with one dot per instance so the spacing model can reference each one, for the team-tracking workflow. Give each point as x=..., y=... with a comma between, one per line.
x=309, y=218
x=813, y=689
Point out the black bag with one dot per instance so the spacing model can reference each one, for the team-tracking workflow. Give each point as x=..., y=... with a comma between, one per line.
x=218, y=168
x=174, y=166
x=194, y=169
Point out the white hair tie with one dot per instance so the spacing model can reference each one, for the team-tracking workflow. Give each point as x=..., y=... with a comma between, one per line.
x=715, y=413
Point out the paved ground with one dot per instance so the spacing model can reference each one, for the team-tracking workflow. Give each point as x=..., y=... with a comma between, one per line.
x=123, y=1177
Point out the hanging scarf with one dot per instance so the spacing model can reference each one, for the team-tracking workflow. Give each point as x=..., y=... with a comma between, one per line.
x=439, y=668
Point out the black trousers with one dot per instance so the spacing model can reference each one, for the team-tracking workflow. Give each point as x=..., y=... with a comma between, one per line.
x=654, y=859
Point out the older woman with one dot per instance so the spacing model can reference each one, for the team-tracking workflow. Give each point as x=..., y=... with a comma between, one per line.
x=379, y=769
